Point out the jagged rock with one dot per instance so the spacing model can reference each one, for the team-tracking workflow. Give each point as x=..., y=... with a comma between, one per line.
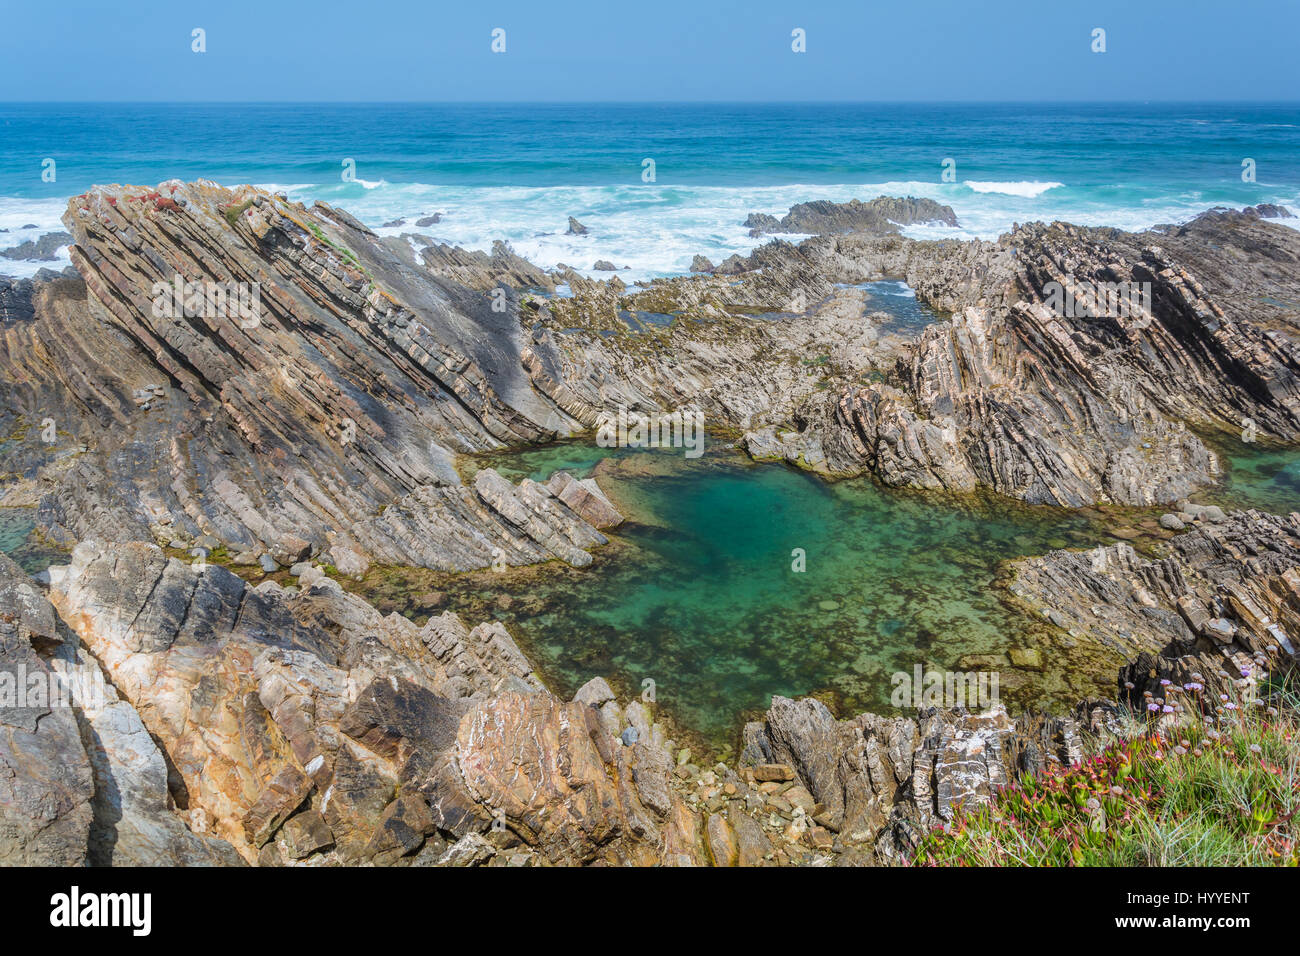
x=41, y=250
x=485, y=271
x=402, y=829
x=604, y=265
x=575, y=228
x=701, y=264
x=1268, y=211
x=349, y=391
x=120, y=809
x=15, y=301
x=305, y=834
x=1235, y=568
x=251, y=691
x=993, y=398
x=46, y=785
x=564, y=785
x=281, y=797
x=303, y=725
x=594, y=693
x=585, y=499
x=879, y=216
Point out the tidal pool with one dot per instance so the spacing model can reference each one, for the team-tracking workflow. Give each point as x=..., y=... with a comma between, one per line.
x=19, y=540
x=702, y=590
x=1266, y=477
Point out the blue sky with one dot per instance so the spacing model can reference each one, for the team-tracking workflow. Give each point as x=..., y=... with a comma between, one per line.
x=663, y=50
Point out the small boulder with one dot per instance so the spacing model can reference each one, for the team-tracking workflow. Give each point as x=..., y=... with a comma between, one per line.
x=594, y=693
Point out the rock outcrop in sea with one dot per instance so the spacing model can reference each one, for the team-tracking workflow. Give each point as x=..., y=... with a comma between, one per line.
x=881, y=216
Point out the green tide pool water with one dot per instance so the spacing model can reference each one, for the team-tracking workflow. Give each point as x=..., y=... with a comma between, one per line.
x=700, y=590
x=733, y=581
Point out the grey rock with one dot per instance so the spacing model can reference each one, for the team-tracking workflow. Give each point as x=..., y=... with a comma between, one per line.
x=594, y=693
x=882, y=215
x=41, y=250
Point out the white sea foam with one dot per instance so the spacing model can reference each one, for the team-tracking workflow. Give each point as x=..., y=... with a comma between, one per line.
x=1027, y=190
x=42, y=214
x=656, y=229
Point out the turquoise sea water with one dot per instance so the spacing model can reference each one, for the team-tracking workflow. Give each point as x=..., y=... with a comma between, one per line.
x=517, y=172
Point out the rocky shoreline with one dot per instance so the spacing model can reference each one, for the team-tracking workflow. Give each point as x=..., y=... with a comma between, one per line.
x=296, y=725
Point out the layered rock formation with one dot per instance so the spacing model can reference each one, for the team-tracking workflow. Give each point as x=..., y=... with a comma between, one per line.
x=881, y=216
x=1223, y=594
x=323, y=422
x=1017, y=392
x=298, y=726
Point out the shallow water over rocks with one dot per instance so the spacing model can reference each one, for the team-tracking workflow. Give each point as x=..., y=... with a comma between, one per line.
x=701, y=593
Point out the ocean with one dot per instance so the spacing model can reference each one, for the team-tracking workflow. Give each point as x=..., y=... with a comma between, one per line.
x=517, y=172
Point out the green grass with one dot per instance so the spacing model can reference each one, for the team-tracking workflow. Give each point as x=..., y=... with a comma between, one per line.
x=346, y=254
x=232, y=213
x=1222, y=792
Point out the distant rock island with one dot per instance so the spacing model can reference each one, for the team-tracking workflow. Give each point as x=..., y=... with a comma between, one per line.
x=880, y=216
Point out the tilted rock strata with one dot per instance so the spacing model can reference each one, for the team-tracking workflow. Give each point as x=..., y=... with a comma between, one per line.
x=269, y=702
x=327, y=422
x=1223, y=593
x=1013, y=393
x=80, y=766
x=46, y=786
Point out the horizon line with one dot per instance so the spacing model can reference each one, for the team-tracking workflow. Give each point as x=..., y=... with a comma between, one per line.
x=689, y=102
